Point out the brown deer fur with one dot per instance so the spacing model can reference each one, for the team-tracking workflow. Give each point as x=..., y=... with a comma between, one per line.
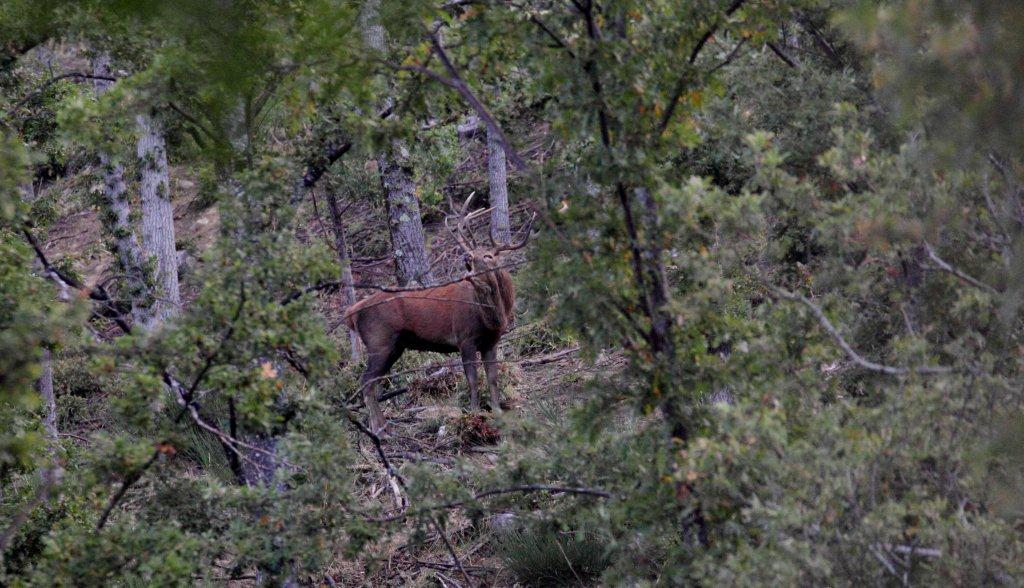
x=468, y=317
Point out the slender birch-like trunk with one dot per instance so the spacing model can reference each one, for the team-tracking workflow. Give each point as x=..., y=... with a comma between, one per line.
x=497, y=180
x=348, y=291
x=45, y=385
x=157, y=219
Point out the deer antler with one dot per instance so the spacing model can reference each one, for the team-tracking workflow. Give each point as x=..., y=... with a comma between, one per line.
x=463, y=237
x=525, y=232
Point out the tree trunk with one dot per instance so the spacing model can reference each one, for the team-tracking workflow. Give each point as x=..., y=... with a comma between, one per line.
x=348, y=291
x=497, y=179
x=404, y=223
x=408, y=244
x=118, y=220
x=655, y=291
x=654, y=270
x=45, y=385
x=373, y=31
x=158, y=219
x=260, y=467
x=51, y=474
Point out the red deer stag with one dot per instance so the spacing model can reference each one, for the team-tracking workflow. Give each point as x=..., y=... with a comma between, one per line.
x=468, y=316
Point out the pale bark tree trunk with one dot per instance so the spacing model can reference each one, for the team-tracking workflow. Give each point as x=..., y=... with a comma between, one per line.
x=348, y=291
x=157, y=219
x=45, y=385
x=497, y=185
x=404, y=223
x=408, y=244
x=497, y=179
x=373, y=30
x=118, y=221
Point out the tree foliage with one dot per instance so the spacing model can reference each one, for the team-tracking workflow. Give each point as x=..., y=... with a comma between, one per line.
x=786, y=238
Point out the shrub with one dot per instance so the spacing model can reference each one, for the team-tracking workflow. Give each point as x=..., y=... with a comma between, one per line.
x=549, y=557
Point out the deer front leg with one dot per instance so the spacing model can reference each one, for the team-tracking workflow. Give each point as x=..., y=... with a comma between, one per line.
x=377, y=365
x=376, y=416
x=469, y=365
x=490, y=357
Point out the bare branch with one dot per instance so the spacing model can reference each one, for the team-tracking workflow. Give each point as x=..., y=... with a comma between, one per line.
x=680, y=87
x=331, y=285
x=129, y=480
x=318, y=165
x=35, y=94
x=548, y=31
x=848, y=350
x=781, y=54
x=65, y=281
x=456, y=82
x=730, y=57
x=192, y=120
x=827, y=48
x=946, y=267
x=451, y=550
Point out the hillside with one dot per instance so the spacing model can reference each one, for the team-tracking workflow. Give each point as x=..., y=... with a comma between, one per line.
x=739, y=285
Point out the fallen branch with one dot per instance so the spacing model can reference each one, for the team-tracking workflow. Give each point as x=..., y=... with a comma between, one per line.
x=911, y=550
x=523, y=489
x=551, y=358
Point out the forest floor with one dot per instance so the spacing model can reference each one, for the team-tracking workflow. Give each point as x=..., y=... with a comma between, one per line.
x=428, y=422
x=429, y=425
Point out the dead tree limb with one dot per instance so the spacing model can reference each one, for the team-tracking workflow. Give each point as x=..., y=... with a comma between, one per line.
x=946, y=267
x=857, y=358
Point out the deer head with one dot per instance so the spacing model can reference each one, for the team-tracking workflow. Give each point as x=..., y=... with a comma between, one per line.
x=482, y=259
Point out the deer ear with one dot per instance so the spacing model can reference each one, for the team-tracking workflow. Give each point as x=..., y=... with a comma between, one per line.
x=468, y=260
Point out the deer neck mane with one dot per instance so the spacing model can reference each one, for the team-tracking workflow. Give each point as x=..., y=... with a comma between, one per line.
x=495, y=297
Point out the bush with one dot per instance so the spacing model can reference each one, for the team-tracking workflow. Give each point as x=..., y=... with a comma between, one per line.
x=548, y=557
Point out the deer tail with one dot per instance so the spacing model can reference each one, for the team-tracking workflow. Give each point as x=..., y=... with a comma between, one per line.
x=350, y=317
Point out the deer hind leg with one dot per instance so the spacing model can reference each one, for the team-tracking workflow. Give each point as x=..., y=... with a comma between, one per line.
x=377, y=365
x=469, y=365
x=490, y=357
